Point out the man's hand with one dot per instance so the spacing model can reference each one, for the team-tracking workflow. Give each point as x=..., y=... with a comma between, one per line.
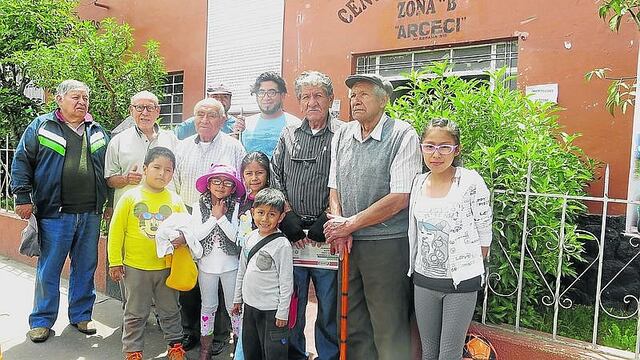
x=24, y=210
x=341, y=245
x=300, y=244
x=281, y=323
x=116, y=273
x=237, y=309
x=133, y=177
x=337, y=227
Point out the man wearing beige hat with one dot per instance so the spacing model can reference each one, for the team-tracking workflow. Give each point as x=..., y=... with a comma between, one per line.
x=370, y=220
x=233, y=124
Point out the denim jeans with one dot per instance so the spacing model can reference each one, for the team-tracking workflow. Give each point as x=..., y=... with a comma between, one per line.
x=75, y=235
x=326, y=328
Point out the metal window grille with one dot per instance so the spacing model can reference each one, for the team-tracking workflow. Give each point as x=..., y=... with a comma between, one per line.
x=466, y=61
x=171, y=104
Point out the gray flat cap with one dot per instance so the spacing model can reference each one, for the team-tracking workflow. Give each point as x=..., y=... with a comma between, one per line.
x=372, y=78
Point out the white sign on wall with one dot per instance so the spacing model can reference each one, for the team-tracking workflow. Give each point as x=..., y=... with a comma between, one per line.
x=544, y=93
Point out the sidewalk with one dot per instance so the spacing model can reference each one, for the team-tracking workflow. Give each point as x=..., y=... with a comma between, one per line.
x=66, y=343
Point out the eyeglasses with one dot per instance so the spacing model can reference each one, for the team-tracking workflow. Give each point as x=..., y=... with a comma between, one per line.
x=141, y=108
x=225, y=183
x=271, y=93
x=441, y=149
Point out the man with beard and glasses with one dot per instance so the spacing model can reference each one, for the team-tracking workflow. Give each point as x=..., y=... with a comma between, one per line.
x=263, y=130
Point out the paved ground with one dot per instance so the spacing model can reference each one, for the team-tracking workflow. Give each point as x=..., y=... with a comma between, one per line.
x=16, y=298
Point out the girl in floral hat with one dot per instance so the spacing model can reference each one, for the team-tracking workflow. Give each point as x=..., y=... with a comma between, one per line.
x=215, y=218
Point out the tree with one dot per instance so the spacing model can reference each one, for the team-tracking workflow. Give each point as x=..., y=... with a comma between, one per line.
x=622, y=90
x=103, y=57
x=26, y=25
x=503, y=132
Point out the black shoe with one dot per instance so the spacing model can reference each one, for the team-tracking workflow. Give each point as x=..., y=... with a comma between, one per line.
x=218, y=347
x=189, y=341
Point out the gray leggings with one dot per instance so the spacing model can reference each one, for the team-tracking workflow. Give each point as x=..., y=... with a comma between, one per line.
x=443, y=320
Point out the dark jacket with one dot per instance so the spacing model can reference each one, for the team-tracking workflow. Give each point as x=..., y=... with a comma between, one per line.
x=36, y=171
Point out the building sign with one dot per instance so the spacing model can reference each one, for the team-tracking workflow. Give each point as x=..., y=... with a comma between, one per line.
x=543, y=93
x=427, y=19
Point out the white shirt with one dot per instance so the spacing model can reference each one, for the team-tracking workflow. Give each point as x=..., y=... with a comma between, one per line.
x=194, y=158
x=401, y=174
x=266, y=282
x=128, y=149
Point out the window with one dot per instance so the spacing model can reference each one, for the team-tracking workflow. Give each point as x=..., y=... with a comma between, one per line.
x=469, y=62
x=171, y=104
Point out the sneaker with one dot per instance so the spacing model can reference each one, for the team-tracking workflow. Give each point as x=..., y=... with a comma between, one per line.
x=85, y=327
x=218, y=347
x=176, y=352
x=136, y=355
x=39, y=334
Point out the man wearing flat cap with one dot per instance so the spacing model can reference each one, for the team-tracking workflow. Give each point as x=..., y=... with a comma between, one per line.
x=373, y=162
x=233, y=125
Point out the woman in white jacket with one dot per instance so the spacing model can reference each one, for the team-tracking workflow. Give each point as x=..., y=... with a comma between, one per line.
x=215, y=226
x=449, y=236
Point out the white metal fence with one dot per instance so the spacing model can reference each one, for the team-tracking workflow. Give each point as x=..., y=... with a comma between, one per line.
x=557, y=288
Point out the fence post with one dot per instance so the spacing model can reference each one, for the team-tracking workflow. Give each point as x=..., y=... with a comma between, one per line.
x=523, y=247
x=605, y=203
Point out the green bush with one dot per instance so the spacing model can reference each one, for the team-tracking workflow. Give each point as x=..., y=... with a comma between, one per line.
x=502, y=133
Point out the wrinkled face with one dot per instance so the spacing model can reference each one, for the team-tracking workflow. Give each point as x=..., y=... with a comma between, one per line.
x=208, y=122
x=255, y=177
x=224, y=99
x=221, y=186
x=314, y=103
x=73, y=105
x=435, y=160
x=266, y=218
x=158, y=173
x=365, y=104
x=269, y=97
x=145, y=112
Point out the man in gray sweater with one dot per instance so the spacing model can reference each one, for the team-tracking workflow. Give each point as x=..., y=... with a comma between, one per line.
x=373, y=162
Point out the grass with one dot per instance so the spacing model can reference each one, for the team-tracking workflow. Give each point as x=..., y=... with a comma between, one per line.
x=577, y=323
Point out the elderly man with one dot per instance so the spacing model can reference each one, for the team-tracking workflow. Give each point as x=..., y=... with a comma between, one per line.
x=194, y=156
x=232, y=125
x=373, y=162
x=263, y=129
x=300, y=169
x=126, y=152
x=57, y=175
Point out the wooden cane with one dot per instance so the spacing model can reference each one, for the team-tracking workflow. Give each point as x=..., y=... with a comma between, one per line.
x=344, y=305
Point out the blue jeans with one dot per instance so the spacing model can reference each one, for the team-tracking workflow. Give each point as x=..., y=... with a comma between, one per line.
x=75, y=235
x=326, y=328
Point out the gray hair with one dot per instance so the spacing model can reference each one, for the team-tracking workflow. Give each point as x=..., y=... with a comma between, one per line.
x=270, y=197
x=217, y=105
x=313, y=78
x=70, y=85
x=145, y=95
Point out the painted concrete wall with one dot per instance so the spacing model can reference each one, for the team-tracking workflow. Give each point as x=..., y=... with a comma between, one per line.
x=318, y=37
x=12, y=225
x=179, y=26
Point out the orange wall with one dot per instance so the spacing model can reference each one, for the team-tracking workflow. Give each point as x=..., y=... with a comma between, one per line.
x=329, y=45
x=180, y=27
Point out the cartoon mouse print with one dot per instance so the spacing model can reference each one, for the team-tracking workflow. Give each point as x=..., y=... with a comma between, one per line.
x=148, y=221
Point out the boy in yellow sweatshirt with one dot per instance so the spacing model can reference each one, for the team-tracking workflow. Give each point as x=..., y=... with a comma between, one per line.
x=133, y=259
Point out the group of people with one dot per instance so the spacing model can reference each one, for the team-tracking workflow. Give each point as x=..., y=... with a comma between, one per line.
x=241, y=193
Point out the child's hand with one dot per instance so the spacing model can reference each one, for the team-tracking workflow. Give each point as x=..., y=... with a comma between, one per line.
x=237, y=309
x=179, y=241
x=116, y=273
x=218, y=208
x=281, y=323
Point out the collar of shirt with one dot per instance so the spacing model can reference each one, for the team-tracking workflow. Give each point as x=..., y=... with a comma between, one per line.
x=376, y=134
x=331, y=126
x=198, y=141
x=156, y=131
x=58, y=114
